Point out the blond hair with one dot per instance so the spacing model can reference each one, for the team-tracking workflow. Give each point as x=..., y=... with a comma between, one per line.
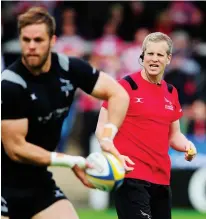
x=157, y=37
x=37, y=15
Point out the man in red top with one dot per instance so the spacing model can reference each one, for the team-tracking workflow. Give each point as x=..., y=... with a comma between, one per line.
x=150, y=126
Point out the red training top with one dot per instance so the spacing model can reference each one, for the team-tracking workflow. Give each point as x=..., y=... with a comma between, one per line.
x=144, y=134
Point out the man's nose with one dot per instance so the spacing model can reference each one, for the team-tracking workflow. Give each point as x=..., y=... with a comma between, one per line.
x=32, y=45
x=155, y=58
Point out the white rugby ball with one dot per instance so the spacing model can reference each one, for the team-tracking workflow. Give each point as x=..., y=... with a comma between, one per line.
x=108, y=173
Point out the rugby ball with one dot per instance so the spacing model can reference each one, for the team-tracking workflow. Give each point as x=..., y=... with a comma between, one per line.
x=107, y=173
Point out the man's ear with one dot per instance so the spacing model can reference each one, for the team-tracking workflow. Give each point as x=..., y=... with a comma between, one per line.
x=169, y=57
x=53, y=40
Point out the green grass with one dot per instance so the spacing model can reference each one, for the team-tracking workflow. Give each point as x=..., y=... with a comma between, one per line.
x=111, y=214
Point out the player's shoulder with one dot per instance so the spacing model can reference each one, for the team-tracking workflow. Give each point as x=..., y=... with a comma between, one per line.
x=131, y=80
x=61, y=59
x=12, y=75
x=15, y=67
x=65, y=62
x=170, y=87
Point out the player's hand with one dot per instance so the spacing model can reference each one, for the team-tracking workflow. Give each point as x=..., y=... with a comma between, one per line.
x=191, y=151
x=108, y=146
x=125, y=160
x=82, y=163
x=80, y=173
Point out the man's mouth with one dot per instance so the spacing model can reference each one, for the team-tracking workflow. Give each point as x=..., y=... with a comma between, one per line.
x=153, y=66
x=32, y=55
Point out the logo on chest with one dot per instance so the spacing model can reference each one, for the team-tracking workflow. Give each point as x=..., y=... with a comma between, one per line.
x=168, y=105
x=66, y=86
x=139, y=100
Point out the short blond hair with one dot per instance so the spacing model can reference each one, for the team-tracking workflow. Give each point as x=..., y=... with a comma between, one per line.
x=157, y=37
x=37, y=15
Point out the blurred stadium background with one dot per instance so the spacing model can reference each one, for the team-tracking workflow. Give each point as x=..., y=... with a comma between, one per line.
x=109, y=36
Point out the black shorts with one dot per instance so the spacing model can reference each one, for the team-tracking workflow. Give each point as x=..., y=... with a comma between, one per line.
x=25, y=203
x=139, y=199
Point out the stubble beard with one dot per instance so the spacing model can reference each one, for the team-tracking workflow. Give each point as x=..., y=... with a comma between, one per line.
x=38, y=67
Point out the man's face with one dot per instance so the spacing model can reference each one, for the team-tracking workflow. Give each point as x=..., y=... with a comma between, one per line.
x=36, y=45
x=156, y=57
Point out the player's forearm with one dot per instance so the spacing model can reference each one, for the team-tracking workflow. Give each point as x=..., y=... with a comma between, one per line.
x=117, y=108
x=116, y=112
x=35, y=155
x=178, y=142
x=98, y=132
x=31, y=154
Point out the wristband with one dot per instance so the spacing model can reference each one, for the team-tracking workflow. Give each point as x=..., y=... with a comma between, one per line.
x=109, y=132
x=58, y=159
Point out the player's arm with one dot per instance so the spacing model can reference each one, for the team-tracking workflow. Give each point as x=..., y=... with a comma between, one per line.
x=104, y=87
x=101, y=130
x=117, y=98
x=108, y=89
x=102, y=133
x=19, y=150
x=14, y=133
x=105, y=133
x=179, y=142
x=102, y=120
x=14, y=129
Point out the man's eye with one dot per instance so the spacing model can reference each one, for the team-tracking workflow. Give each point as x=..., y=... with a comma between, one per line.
x=26, y=39
x=38, y=40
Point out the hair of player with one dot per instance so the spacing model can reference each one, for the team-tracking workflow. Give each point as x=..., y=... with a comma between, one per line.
x=37, y=15
x=157, y=37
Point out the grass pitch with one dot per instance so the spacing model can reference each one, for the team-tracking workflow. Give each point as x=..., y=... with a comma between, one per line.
x=111, y=214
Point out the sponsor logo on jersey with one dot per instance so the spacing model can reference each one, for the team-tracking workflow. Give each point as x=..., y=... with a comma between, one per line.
x=58, y=113
x=168, y=105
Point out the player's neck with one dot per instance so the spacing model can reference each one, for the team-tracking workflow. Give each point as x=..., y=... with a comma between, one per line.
x=37, y=71
x=154, y=79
